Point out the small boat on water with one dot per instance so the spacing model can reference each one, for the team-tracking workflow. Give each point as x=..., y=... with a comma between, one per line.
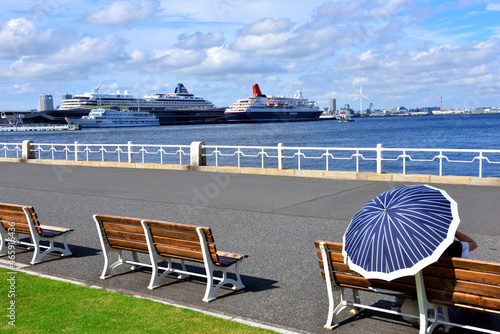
x=114, y=118
x=266, y=108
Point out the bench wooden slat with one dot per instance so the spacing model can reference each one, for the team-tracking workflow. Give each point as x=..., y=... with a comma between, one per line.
x=128, y=244
x=232, y=255
x=122, y=227
x=169, y=251
x=468, y=287
x=17, y=226
x=451, y=298
x=175, y=234
x=126, y=235
x=476, y=308
x=17, y=220
x=188, y=244
x=11, y=207
x=478, y=265
x=176, y=226
x=10, y=213
x=332, y=246
x=470, y=275
x=120, y=220
x=56, y=228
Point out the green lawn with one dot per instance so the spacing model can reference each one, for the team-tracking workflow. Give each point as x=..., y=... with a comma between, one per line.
x=45, y=306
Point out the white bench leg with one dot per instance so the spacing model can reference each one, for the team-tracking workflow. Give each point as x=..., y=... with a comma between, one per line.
x=106, y=271
x=37, y=257
x=334, y=311
x=155, y=276
x=4, y=236
x=211, y=289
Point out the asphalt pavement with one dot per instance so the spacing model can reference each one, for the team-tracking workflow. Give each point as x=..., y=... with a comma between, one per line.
x=272, y=219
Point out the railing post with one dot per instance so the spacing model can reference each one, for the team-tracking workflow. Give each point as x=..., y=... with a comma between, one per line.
x=481, y=164
x=379, y=159
x=27, y=150
x=130, y=153
x=197, y=154
x=280, y=156
x=76, y=151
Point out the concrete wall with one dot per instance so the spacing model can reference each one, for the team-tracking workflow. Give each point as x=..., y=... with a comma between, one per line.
x=337, y=175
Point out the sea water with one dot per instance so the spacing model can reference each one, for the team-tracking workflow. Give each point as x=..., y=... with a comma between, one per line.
x=464, y=131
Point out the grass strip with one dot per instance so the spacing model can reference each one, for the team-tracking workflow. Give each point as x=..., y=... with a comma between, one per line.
x=43, y=305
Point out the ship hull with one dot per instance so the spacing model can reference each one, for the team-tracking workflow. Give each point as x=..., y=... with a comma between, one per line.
x=272, y=116
x=110, y=125
x=166, y=117
x=189, y=116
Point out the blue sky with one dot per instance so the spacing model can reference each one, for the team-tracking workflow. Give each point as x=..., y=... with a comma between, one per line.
x=403, y=52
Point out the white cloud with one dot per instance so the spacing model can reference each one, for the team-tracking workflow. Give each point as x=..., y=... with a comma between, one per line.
x=78, y=59
x=282, y=39
x=199, y=40
x=20, y=37
x=123, y=13
x=173, y=60
x=493, y=6
x=266, y=26
x=389, y=9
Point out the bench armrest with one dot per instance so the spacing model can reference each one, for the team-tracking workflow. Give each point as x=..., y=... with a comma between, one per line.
x=385, y=291
x=231, y=255
x=55, y=228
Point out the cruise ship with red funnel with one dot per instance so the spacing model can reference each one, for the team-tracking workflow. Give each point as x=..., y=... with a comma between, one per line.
x=266, y=108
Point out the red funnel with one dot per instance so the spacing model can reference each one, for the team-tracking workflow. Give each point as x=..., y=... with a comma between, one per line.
x=256, y=90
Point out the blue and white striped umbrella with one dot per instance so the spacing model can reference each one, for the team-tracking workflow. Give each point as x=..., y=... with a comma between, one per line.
x=400, y=231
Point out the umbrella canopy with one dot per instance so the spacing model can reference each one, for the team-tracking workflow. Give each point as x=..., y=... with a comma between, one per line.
x=400, y=231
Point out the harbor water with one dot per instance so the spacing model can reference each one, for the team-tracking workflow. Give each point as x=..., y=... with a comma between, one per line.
x=465, y=131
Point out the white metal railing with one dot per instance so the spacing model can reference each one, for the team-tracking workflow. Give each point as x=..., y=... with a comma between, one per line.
x=129, y=152
x=360, y=159
x=469, y=162
x=11, y=150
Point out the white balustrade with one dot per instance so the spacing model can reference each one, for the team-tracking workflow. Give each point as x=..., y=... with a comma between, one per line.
x=470, y=162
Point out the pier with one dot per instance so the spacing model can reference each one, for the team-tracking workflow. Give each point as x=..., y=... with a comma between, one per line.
x=273, y=219
x=38, y=127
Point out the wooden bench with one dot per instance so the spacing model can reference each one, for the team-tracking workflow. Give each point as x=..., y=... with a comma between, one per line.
x=164, y=241
x=464, y=283
x=19, y=220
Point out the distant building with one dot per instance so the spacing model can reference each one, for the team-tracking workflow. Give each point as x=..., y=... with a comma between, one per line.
x=67, y=96
x=333, y=106
x=46, y=102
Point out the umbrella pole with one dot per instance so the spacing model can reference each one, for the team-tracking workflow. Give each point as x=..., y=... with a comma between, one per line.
x=422, y=301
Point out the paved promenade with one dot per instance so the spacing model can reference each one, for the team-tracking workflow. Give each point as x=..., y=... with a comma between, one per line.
x=272, y=219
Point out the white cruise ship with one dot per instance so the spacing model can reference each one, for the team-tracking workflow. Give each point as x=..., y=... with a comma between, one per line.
x=266, y=108
x=114, y=118
x=179, y=107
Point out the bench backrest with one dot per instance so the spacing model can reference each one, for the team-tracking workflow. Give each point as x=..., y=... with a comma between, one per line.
x=182, y=241
x=462, y=282
x=454, y=281
x=122, y=233
x=13, y=216
x=344, y=277
x=170, y=239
